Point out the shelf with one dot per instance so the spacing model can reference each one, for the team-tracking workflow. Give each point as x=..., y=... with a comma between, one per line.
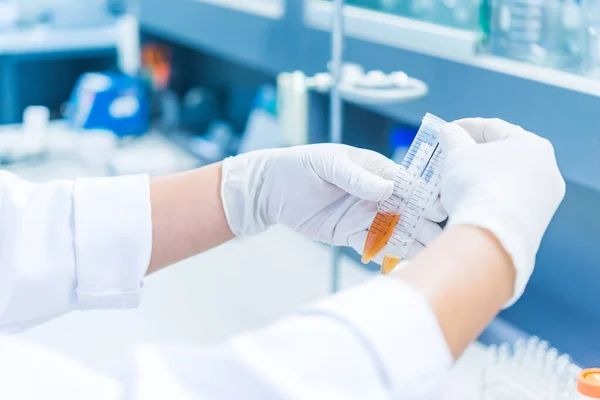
x=264, y=8
x=48, y=40
x=559, y=106
x=395, y=31
x=219, y=27
x=438, y=41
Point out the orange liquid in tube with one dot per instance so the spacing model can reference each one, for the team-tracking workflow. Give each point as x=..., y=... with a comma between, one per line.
x=389, y=263
x=380, y=232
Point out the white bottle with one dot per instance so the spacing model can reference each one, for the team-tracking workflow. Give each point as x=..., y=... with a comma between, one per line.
x=292, y=107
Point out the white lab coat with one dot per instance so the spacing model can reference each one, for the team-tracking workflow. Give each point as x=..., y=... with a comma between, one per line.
x=86, y=244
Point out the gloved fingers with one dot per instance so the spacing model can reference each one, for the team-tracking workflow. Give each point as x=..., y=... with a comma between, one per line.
x=436, y=213
x=357, y=181
x=453, y=136
x=428, y=232
x=374, y=162
x=485, y=130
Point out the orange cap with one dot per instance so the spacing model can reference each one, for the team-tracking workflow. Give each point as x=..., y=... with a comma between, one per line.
x=588, y=383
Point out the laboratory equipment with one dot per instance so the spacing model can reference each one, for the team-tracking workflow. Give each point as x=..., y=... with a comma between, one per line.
x=401, y=138
x=424, y=10
x=218, y=143
x=516, y=29
x=111, y=101
x=77, y=14
x=571, y=35
x=374, y=88
x=544, y=32
x=530, y=370
x=591, y=37
x=199, y=108
x=457, y=13
x=399, y=7
x=26, y=142
x=262, y=129
x=9, y=12
x=588, y=384
x=356, y=86
x=64, y=13
x=129, y=56
x=292, y=107
x=115, y=101
x=416, y=188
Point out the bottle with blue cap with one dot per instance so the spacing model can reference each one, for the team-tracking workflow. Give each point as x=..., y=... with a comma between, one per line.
x=401, y=137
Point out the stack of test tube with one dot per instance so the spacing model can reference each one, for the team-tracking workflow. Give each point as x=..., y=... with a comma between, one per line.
x=529, y=370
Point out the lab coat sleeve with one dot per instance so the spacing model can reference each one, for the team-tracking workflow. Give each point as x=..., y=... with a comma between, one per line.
x=379, y=340
x=68, y=245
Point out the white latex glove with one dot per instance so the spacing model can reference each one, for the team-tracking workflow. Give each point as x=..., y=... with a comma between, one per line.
x=328, y=192
x=499, y=177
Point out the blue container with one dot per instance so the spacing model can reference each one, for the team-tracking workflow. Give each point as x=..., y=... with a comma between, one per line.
x=110, y=101
x=401, y=137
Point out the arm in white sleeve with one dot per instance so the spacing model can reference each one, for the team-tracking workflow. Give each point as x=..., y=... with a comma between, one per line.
x=68, y=245
x=380, y=340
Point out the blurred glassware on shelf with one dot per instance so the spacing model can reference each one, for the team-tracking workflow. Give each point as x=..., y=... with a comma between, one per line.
x=516, y=29
x=9, y=13
x=591, y=37
x=219, y=142
x=200, y=106
x=423, y=10
x=78, y=14
x=70, y=13
x=561, y=34
x=398, y=7
x=571, y=35
x=263, y=130
x=453, y=13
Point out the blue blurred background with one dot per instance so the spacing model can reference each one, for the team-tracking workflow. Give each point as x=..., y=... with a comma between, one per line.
x=167, y=86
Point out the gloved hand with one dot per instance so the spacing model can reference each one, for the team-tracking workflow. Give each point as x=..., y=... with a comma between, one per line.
x=499, y=177
x=328, y=192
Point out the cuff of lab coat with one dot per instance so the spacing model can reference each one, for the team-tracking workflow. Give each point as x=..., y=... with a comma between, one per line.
x=402, y=331
x=113, y=240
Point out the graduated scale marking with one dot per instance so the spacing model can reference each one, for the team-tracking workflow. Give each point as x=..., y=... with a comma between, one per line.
x=416, y=187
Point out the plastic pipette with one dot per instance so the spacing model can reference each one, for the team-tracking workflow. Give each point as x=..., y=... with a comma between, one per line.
x=416, y=187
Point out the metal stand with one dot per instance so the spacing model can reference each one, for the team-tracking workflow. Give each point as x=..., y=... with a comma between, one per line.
x=335, y=135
